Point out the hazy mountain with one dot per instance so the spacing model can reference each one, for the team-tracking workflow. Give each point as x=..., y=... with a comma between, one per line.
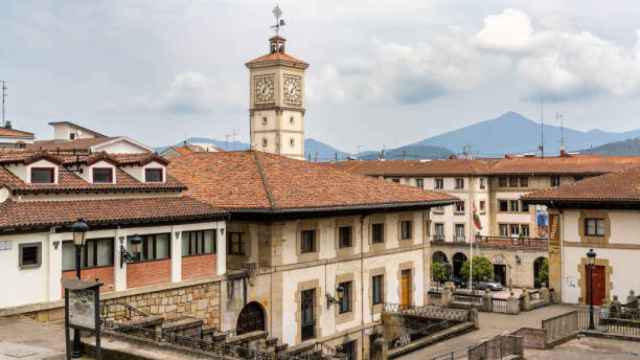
x=514, y=133
x=629, y=147
x=409, y=152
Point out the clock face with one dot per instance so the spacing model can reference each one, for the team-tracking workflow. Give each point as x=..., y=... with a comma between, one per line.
x=292, y=90
x=264, y=89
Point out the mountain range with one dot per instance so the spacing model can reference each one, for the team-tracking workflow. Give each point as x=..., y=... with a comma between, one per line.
x=509, y=133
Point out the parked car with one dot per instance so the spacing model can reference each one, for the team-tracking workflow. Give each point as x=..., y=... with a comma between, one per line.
x=489, y=285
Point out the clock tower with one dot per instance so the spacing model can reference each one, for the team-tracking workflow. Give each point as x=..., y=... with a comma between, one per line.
x=277, y=100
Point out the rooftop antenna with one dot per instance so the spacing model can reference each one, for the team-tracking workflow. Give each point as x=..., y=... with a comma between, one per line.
x=541, y=127
x=4, y=102
x=561, y=118
x=277, y=13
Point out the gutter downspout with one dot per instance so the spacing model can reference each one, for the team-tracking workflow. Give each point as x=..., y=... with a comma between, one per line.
x=362, y=323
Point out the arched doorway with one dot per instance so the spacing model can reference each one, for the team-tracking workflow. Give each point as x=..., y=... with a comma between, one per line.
x=440, y=257
x=540, y=272
x=458, y=260
x=251, y=318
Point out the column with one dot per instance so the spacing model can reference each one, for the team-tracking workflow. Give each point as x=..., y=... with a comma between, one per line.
x=221, y=248
x=176, y=254
x=53, y=250
x=120, y=270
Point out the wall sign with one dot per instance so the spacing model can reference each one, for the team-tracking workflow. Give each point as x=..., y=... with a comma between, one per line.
x=5, y=245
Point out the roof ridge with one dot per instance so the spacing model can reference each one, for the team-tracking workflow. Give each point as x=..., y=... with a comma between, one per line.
x=265, y=182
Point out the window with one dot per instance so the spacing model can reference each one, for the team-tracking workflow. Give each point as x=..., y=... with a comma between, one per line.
x=524, y=181
x=30, y=255
x=459, y=231
x=438, y=184
x=344, y=236
x=406, y=230
x=291, y=120
x=524, y=207
x=514, y=230
x=308, y=319
x=153, y=175
x=345, y=299
x=377, y=289
x=95, y=253
x=483, y=184
x=264, y=120
x=264, y=142
x=42, y=175
x=502, y=181
x=349, y=350
x=72, y=136
x=292, y=142
x=594, y=227
x=578, y=177
x=103, y=175
x=555, y=181
x=513, y=181
x=377, y=233
x=198, y=242
x=524, y=230
x=396, y=180
x=235, y=243
x=154, y=247
x=438, y=228
x=483, y=206
x=459, y=183
x=459, y=207
x=420, y=183
x=308, y=241
x=514, y=205
x=503, y=205
x=504, y=230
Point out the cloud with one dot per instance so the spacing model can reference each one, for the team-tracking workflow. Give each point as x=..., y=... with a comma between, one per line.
x=561, y=65
x=189, y=93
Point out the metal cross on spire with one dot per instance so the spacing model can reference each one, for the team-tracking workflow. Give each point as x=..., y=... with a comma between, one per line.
x=277, y=13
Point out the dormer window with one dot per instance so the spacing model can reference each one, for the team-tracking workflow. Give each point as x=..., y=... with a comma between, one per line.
x=72, y=136
x=102, y=175
x=40, y=175
x=153, y=175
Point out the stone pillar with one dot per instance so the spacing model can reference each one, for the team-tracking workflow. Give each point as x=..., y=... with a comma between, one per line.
x=221, y=248
x=526, y=300
x=487, y=302
x=53, y=251
x=447, y=294
x=176, y=254
x=545, y=295
x=513, y=305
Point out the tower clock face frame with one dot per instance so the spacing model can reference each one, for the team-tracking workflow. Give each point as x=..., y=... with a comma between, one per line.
x=264, y=89
x=292, y=89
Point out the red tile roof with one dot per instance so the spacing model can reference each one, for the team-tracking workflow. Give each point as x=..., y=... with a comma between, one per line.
x=569, y=165
x=15, y=215
x=4, y=132
x=277, y=58
x=610, y=188
x=67, y=145
x=256, y=180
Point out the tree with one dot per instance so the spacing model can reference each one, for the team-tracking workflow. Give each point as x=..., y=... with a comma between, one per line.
x=440, y=271
x=542, y=277
x=482, y=269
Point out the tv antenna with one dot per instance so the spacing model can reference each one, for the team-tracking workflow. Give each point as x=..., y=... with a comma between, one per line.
x=541, y=127
x=277, y=13
x=4, y=102
x=561, y=119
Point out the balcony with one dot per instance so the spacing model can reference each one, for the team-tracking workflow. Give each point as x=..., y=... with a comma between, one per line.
x=437, y=239
x=497, y=242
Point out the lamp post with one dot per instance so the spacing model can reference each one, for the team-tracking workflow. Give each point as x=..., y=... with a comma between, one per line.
x=79, y=230
x=591, y=259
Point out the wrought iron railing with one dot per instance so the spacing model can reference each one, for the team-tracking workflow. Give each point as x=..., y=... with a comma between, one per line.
x=111, y=310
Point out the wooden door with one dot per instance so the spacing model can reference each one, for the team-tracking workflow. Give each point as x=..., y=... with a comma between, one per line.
x=406, y=288
x=599, y=285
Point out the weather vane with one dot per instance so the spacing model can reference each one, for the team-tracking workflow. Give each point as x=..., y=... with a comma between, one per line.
x=277, y=13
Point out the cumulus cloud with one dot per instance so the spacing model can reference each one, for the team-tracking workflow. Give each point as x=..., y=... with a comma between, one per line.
x=509, y=30
x=189, y=93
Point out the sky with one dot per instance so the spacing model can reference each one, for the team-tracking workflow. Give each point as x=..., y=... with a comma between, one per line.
x=382, y=72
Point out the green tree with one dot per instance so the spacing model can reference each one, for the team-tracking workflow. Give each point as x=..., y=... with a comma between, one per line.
x=440, y=271
x=543, y=273
x=482, y=269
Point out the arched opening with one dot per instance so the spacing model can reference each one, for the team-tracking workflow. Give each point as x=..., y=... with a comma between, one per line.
x=440, y=257
x=540, y=272
x=251, y=318
x=458, y=260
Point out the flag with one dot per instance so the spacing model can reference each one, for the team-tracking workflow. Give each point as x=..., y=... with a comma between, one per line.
x=476, y=218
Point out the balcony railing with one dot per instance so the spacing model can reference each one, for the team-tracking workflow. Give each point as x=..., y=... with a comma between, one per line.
x=504, y=242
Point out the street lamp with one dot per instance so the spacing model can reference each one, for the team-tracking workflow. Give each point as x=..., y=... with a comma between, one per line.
x=135, y=245
x=79, y=230
x=591, y=260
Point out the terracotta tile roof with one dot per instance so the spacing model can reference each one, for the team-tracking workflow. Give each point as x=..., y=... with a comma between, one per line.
x=569, y=165
x=28, y=214
x=255, y=180
x=277, y=58
x=67, y=145
x=4, y=132
x=138, y=159
x=610, y=188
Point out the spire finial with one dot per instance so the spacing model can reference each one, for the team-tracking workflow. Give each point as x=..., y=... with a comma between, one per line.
x=277, y=13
